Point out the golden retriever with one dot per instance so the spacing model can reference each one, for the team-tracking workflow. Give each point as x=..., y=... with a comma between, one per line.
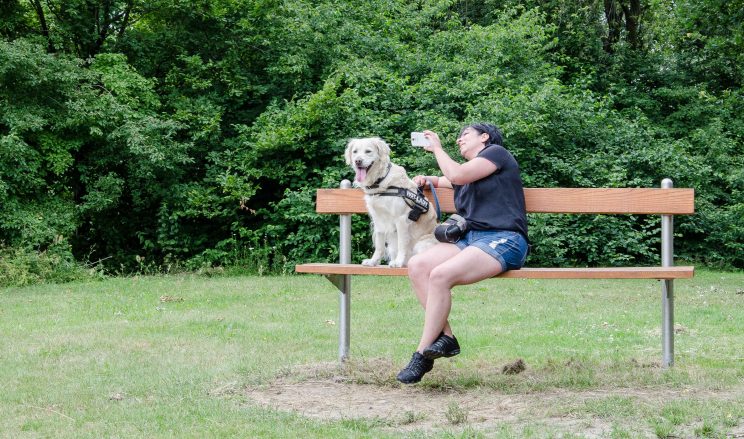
x=395, y=236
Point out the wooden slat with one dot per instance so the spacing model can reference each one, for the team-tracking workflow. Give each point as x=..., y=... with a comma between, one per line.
x=341, y=201
x=610, y=200
x=680, y=272
x=546, y=200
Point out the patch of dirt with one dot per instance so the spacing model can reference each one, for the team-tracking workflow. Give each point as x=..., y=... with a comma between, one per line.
x=415, y=408
x=369, y=391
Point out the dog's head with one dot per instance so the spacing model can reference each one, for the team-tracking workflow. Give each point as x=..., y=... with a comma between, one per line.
x=368, y=158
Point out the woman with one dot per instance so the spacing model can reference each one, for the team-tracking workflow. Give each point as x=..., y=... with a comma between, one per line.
x=489, y=195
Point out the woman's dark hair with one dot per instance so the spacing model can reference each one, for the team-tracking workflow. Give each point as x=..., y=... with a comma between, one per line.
x=494, y=133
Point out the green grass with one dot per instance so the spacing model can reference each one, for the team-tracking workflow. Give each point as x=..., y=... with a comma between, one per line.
x=173, y=356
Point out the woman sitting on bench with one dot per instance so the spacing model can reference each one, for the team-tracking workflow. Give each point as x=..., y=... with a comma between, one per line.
x=491, y=239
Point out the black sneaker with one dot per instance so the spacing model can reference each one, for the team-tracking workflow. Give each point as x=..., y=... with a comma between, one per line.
x=443, y=346
x=415, y=369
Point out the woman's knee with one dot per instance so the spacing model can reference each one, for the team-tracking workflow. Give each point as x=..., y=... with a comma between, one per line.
x=418, y=267
x=441, y=277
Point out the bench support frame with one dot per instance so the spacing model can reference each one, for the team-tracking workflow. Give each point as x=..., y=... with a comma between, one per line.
x=343, y=283
x=667, y=286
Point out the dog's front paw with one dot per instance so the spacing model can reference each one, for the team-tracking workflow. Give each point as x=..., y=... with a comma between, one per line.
x=397, y=263
x=370, y=262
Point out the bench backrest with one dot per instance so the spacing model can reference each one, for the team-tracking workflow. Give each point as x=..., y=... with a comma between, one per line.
x=545, y=200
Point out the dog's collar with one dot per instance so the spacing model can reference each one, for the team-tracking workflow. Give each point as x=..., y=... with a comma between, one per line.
x=376, y=184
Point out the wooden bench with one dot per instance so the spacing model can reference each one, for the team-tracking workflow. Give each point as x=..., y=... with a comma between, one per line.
x=664, y=201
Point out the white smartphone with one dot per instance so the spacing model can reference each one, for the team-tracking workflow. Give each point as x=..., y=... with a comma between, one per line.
x=418, y=139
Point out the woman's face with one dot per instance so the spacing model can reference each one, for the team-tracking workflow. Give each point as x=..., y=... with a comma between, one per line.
x=471, y=142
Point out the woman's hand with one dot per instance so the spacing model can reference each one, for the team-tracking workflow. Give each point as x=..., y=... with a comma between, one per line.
x=420, y=180
x=434, y=142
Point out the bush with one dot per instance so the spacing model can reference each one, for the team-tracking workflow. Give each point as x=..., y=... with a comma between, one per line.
x=23, y=266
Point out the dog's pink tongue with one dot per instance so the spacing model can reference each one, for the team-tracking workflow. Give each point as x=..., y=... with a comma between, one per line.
x=361, y=174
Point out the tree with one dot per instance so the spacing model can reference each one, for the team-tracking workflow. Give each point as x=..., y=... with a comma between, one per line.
x=83, y=27
x=623, y=15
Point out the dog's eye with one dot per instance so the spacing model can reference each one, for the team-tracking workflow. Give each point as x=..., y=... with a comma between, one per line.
x=368, y=151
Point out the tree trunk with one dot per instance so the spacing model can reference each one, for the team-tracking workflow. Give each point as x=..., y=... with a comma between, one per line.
x=125, y=20
x=614, y=16
x=632, y=22
x=44, y=28
x=102, y=26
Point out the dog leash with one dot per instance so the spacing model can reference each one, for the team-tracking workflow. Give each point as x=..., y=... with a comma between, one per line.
x=436, y=199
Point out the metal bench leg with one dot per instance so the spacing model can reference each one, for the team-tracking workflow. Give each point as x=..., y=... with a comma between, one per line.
x=343, y=283
x=667, y=316
x=667, y=286
x=344, y=251
x=344, y=328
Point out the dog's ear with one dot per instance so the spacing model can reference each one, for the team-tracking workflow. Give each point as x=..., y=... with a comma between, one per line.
x=382, y=147
x=347, y=153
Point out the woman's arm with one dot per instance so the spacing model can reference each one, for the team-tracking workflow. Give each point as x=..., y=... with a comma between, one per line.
x=456, y=173
x=470, y=171
x=444, y=182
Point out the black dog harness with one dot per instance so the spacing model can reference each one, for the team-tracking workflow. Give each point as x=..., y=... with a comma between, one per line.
x=415, y=200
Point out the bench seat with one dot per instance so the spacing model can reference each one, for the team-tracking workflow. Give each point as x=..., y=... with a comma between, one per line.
x=676, y=272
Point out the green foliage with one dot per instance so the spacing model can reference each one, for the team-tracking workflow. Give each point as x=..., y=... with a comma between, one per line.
x=194, y=134
x=711, y=38
x=13, y=21
x=21, y=266
x=36, y=150
x=563, y=240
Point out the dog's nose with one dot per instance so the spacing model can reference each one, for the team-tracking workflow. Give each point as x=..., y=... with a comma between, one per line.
x=358, y=162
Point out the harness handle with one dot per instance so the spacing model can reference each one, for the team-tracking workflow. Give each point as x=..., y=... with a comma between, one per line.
x=436, y=199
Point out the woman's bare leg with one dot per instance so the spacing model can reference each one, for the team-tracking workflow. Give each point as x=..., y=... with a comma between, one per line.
x=465, y=267
x=419, y=270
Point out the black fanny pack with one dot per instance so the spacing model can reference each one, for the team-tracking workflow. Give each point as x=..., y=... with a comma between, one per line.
x=451, y=230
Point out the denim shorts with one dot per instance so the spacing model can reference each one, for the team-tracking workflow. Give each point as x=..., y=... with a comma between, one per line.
x=507, y=247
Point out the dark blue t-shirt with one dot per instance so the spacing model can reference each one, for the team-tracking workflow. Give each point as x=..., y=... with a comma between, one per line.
x=495, y=201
